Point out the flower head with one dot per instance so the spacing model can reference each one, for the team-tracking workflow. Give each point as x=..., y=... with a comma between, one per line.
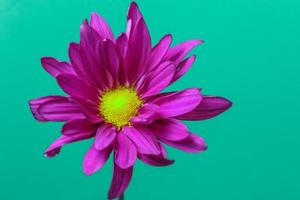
x=113, y=90
x=119, y=105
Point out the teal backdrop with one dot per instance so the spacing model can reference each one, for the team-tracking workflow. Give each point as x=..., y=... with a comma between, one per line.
x=251, y=55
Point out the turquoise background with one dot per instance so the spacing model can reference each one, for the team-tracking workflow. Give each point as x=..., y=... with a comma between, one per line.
x=251, y=55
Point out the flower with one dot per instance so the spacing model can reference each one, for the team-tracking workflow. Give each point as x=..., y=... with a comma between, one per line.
x=112, y=86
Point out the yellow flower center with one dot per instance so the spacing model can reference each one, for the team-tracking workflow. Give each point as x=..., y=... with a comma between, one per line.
x=119, y=105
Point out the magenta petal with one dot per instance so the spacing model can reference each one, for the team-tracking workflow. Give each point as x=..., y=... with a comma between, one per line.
x=155, y=160
x=88, y=41
x=133, y=16
x=139, y=49
x=163, y=150
x=34, y=105
x=76, y=60
x=110, y=58
x=54, y=108
x=178, y=103
x=97, y=75
x=209, y=107
x=99, y=24
x=183, y=67
x=147, y=114
x=55, y=147
x=95, y=159
x=80, y=59
x=140, y=83
x=105, y=136
x=89, y=109
x=159, y=51
x=134, y=12
x=79, y=126
x=122, y=46
x=177, y=53
x=192, y=144
x=144, y=139
x=55, y=67
x=129, y=27
x=126, y=152
x=85, y=57
x=139, y=44
x=77, y=87
x=170, y=129
x=159, y=79
x=120, y=181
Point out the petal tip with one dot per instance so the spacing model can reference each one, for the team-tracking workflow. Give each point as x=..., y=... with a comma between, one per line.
x=87, y=172
x=44, y=59
x=133, y=5
x=34, y=111
x=201, y=41
x=226, y=104
x=169, y=36
x=230, y=103
x=133, y=11
x=51, y=153
x=93, y=13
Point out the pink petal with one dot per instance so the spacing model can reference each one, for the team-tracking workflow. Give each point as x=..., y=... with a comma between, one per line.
x=156, y=160
x=88, y=40
x=139, y=49
x=120, y=181
x=55, y=147
x=79, y=126
x=89, y=109
x=144, y=139
x=183, y=67
x=89, y=51
x=77, y=87
x=158, y=52
x=178, y=103
x=140, y=83
x=192, y=144
x=209, y=107
x=163, y=150
x=170, y=129
x=105, y=136
x=122, y=45
x=159, y=79
x=178, y=52
x=54, y=108
x=139, y=43
x=99, y=24
x=85, y=57
x=147, y=114
x=76, y=60
x=133, y=16
x=34, y=105
x=55, y=67
x=129, y=27
x=134, y=12
x=126, y=152
x=110, y=58
x=95, y=159
x=80, y=61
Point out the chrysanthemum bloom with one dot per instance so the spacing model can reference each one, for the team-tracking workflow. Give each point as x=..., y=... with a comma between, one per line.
x=113, y=86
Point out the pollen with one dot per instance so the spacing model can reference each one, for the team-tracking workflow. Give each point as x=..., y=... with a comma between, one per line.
x=118, y=106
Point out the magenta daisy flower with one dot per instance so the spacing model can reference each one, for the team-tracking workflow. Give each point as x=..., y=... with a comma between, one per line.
x=112, y=86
